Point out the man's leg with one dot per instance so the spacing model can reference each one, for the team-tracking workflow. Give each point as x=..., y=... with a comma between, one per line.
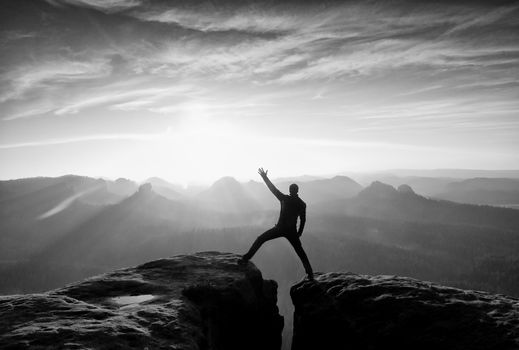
x=266, y=236
x=298, y=247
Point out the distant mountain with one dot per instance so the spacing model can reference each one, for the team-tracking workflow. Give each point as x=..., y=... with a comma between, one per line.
x=313, y=191
x=35, y=212
x=228, y=195
x=19, y=187
x=491, y=191
x=338, y=187
x=426, y=186
x=383, y=201
x=87, y=189
x=173, y=190
x=261, y=194
x=130, y=230
x=38, y=211
x=114, y=229
x=158, y=182
x=122, y=187
x=302, y=178
x=455, y=173
x=165, y=188
x=57, y=219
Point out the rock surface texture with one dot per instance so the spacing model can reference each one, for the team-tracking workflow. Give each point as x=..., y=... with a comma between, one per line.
x=199, y=301
x=350, y=311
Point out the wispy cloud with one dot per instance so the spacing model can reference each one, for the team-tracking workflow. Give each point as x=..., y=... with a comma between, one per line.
x=126, y=95
x=126, y=98
x=13, y=35
x=353, y=68
x=211, y=19
x=24, y=79
x=317, y=42
x=308, y=42
x=87, y=138
x=104, y=5
x=449, y=114
x=485, y=19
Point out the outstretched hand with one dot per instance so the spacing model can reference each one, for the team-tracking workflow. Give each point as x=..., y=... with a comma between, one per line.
x=262, y=172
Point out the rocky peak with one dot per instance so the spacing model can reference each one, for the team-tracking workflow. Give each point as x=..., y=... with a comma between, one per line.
x=198, y=301
x=378, y=190
x=144, y=192
x=346, y=310
x=145, y=188
x=226, y=183
x=227, y=194
x=405, y=189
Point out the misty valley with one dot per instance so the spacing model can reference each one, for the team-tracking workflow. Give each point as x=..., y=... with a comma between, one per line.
x=54, y=231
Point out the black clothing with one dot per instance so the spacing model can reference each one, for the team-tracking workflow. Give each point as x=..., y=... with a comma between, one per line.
x=292, y=207
x=276, y=232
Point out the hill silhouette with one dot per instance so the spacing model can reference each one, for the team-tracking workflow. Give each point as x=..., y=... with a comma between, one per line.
x=228, y=195
x=383, y=201
x=483, y=191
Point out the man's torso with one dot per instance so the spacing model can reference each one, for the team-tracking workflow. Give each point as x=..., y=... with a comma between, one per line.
x=291, y=208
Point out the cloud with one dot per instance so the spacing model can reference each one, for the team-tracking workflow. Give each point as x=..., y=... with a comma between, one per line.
x=485, y=19
x=86, y=138
x=104, y=5
x=214, y=21
x=250, y=44
x=51, y=73
x=29, y=112
x=132, y=105
x=291, y=42
x=14, y=35
x=121, y=95
x=448, y=114
x=312, y=42
x=107, y=97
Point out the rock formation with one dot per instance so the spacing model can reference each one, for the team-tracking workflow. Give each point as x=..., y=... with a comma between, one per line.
x=349, y=311
x=206, y=301
x=199, y=301
x=405, y=189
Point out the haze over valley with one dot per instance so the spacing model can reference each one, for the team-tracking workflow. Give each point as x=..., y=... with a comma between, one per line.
x=58, y=230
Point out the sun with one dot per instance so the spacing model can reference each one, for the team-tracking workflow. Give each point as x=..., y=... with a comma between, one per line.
x=205, y=148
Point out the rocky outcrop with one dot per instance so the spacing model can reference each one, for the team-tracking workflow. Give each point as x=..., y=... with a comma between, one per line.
x=199, y=301
x=349, y=311
x=405, y=189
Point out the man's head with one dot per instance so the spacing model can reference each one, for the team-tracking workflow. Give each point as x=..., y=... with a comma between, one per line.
x=293, y=189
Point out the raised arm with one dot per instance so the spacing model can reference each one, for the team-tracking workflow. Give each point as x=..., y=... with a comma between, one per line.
x=302, y=221
x=269, y=184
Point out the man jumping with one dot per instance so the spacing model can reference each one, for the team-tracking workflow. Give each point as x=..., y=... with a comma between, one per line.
x=292, y=207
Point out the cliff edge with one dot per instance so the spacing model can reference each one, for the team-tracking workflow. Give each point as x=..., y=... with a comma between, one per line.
x=350, y=311
x=199, y=301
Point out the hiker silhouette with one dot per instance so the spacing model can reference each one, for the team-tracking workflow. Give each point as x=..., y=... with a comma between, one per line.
x=292, y=207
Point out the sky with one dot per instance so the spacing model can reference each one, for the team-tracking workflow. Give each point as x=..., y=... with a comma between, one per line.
x=194, y=90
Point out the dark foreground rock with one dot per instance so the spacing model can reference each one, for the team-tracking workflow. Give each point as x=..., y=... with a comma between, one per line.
x=199, y=301
x=349, y=311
